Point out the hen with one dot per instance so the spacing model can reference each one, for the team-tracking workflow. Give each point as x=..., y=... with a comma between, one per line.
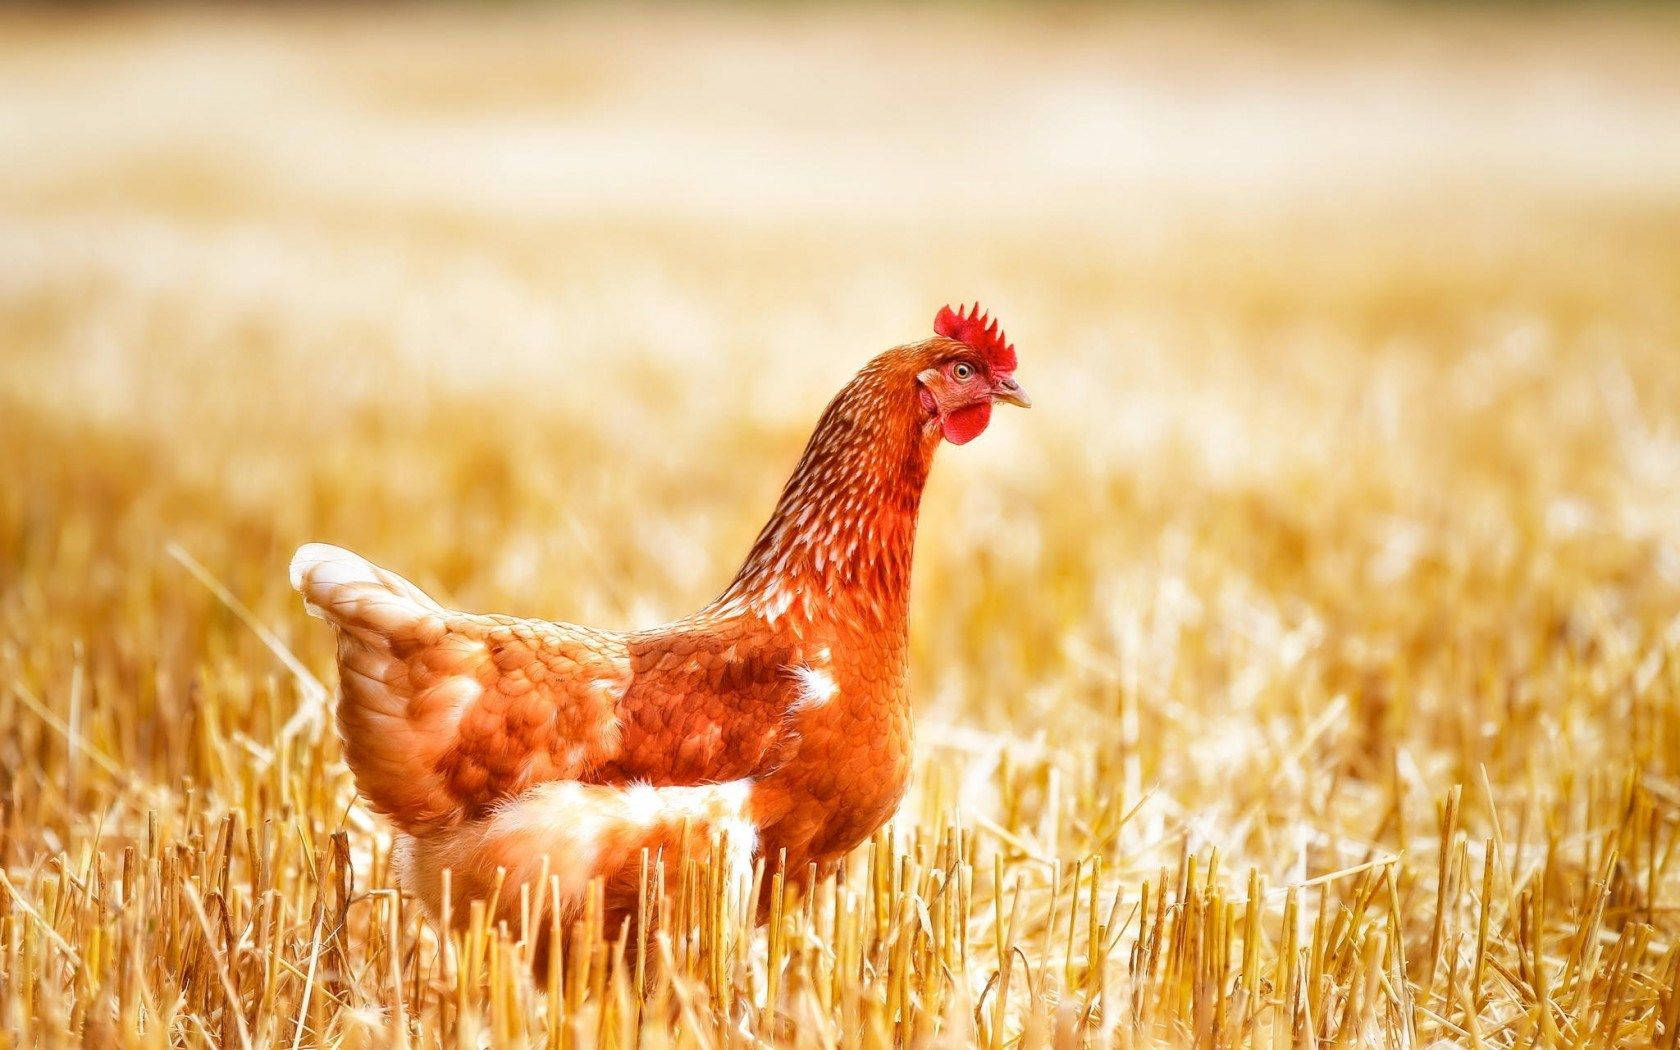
x=776, y=719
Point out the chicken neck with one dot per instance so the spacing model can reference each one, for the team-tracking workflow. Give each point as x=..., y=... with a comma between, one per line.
x=843, y=532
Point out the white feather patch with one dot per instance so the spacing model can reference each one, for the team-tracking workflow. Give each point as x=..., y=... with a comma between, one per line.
x=816, y=686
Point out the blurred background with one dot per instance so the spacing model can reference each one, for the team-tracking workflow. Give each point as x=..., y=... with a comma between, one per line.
x=1326, y=308
x=1353, y=333
x=1353, y=328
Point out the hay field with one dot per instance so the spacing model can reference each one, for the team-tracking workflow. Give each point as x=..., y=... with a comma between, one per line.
x=1304, y=670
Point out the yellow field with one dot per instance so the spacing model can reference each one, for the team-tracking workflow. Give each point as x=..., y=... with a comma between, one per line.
x=1304, y=670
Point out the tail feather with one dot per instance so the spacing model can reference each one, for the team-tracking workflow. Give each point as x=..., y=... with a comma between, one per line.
x=352, y=593
x=442, y=714
x=400, y=691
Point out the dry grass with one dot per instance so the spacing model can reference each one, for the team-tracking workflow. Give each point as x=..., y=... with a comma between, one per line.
x=1304, y=671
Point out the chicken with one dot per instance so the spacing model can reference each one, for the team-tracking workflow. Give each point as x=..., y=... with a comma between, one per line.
x=775, y=721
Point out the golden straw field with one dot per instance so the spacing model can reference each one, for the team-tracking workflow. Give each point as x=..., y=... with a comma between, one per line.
x=1303, y=670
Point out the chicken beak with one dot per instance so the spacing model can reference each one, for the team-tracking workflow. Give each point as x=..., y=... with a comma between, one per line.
x=1006, y=389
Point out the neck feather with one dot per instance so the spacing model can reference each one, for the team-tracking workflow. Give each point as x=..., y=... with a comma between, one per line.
x=844, y=529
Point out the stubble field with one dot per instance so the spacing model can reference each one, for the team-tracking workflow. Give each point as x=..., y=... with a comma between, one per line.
x=1303, y=670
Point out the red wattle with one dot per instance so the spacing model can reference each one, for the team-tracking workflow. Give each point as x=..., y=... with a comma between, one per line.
x=966, y=423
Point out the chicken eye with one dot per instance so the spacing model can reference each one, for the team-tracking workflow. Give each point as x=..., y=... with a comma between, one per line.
x=963, y=371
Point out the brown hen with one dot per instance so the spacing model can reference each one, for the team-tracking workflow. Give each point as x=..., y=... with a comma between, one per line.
x=775, y=720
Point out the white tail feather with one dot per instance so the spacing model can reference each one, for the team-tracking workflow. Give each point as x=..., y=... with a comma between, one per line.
x=351, y=592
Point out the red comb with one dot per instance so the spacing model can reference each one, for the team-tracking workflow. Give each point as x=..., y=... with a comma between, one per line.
x=978, y=331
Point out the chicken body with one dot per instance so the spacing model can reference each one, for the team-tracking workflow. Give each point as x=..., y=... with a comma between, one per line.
x=776, y=720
